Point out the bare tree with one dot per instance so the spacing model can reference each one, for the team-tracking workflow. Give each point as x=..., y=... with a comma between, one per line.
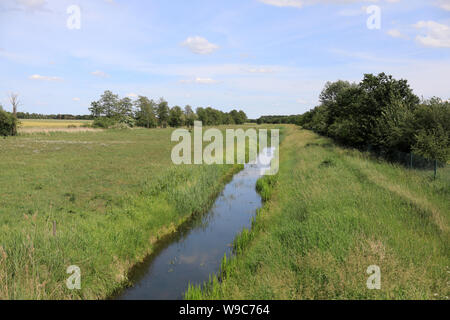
x=14, y=100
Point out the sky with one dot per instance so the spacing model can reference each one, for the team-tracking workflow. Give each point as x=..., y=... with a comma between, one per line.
x=262, y=56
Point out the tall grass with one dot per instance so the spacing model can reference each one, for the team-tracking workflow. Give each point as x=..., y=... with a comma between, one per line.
x=332, y=213
x=111, y=195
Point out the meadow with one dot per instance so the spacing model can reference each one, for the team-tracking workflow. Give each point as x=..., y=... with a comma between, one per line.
x=98, y=200
x=102, y=199
x=49, y=125
x=329, y=214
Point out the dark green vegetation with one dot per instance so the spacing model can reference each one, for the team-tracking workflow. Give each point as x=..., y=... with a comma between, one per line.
x=112, y=111
x=382, y=113
x=279, y=119
x=110, y=195
x=8, y=123
x=38, y=116
x=329, y=215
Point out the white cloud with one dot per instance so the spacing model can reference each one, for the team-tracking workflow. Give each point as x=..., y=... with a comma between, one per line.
x=205, y=81
x=434, y=34
x=76, y=99
x=200, y=81
x=100, y=74
x=444, y=4
x=44, y=78
x=395, y=33
x=258, y=70
x=200, y=45
x=352, y=12
x=284, y=3
x=301, y=3
x=33, y=5
x=132, y=95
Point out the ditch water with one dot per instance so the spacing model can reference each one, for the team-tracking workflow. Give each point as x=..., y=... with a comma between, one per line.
x=196, y=250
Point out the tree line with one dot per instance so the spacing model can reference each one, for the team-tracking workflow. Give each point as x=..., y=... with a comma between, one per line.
x=383, y=113
x=39, y=116
x=111, y=110
x=293, y=119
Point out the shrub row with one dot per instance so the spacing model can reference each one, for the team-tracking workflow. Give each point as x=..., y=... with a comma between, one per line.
x=383, y=113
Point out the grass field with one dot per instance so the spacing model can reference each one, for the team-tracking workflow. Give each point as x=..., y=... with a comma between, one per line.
x=331, y=213
x=111, y=194
x=24, y=123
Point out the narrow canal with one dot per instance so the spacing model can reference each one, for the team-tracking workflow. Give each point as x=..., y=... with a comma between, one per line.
x=195, y=252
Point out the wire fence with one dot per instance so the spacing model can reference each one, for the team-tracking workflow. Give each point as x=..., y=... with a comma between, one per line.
x=410, y=160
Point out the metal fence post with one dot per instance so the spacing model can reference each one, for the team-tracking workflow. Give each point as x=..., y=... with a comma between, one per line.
x=435, y=169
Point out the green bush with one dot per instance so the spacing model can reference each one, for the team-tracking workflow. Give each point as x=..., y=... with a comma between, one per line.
x=8, y=124
x=128, y=121
x=104, y=122
x=433, y=144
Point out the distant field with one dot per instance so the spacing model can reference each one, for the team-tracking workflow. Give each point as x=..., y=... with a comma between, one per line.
x=31, y=123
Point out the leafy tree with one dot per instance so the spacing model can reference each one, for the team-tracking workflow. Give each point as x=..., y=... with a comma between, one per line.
x=8, y=123
x=395, y=127
x=242, y=116
x=176, y=117
x=189, y=116
x=239, y=117
x=332, y=90
x=145, y=114
x=433, y=144
x=162, y=112
x=432, y=127
x=203, y=116
x=96, y=109
x=227, y=119
x=380, y=93
x=107, y=105
x=329, y=97
x=124, y=108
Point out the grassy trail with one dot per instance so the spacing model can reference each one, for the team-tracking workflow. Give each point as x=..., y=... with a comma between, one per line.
x=331, y=213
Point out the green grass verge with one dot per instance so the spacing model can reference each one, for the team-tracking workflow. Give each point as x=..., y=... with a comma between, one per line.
x=330, y=215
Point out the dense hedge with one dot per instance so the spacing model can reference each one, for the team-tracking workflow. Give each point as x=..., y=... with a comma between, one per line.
x=384, y=113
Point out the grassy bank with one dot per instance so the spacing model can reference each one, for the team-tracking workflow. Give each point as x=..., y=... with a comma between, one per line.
x=331, y=213
x=110, y=195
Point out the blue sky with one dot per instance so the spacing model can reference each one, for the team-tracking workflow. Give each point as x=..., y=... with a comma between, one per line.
x=262, y=56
